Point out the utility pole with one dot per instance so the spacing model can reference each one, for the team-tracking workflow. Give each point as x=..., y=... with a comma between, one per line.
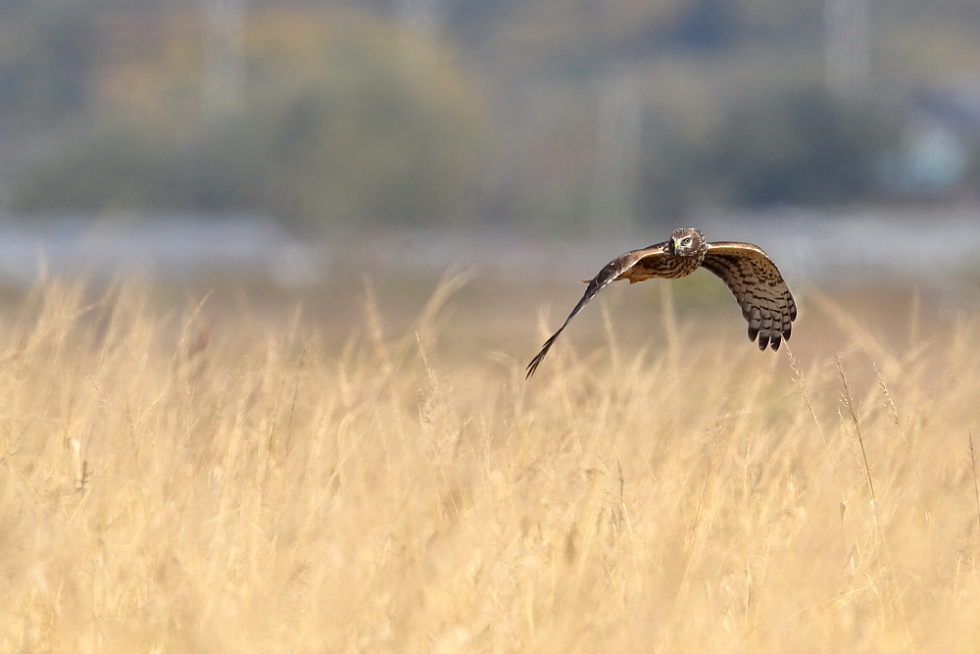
x=419, y=18
x=421, y=15
x=847, y=46
x=224, y=57
x=617, y=153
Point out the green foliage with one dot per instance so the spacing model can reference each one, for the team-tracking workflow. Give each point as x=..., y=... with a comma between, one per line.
x=351, y=119
x=366, y=149
x=802, y=146
x=115, y=167
x=44, y=60
x=674, y=172
x=369, y=133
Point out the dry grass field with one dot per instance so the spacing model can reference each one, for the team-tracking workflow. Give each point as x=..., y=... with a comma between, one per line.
x=170, y=483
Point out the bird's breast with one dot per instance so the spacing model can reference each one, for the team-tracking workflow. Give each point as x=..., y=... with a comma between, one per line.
x=677, y=267
x=669, y=267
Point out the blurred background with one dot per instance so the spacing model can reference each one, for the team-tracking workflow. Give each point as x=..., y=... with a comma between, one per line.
x=288, y=145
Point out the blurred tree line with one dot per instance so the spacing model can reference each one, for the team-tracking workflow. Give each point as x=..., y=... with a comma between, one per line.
x=334, y=123
x=351, y=113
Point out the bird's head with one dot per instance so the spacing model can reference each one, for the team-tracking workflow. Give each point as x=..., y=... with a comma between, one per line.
x=686, y=242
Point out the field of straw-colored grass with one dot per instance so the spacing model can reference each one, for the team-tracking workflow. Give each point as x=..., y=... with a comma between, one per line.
x=170, y=487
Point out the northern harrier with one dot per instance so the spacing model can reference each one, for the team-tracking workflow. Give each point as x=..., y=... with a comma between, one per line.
x=753, y=278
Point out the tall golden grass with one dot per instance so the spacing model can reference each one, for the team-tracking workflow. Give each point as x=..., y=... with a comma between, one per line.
x=166, y=486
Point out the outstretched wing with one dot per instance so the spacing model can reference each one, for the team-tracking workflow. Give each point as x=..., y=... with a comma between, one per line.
x=759, y=289
x=619, y=268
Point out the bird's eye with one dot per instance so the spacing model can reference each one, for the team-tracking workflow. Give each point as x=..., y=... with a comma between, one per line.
x=686, y=240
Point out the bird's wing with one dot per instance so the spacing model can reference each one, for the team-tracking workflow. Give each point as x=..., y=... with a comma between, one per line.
x=625, y=266
x=759, y=289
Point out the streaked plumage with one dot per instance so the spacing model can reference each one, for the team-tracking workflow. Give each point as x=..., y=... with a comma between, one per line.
x=765, y=300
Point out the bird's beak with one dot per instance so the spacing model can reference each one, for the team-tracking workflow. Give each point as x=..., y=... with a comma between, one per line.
x=673, y=245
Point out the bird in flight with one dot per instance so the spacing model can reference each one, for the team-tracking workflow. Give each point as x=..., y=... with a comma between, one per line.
x=753, y=278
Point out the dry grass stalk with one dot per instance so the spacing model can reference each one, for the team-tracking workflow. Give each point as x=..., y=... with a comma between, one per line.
x=270, y=494
x=976, y=486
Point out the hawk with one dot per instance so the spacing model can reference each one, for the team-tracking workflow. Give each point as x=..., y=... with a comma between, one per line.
x=753, y=278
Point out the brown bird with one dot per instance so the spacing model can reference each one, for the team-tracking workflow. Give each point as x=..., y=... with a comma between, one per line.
x=753, y=278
